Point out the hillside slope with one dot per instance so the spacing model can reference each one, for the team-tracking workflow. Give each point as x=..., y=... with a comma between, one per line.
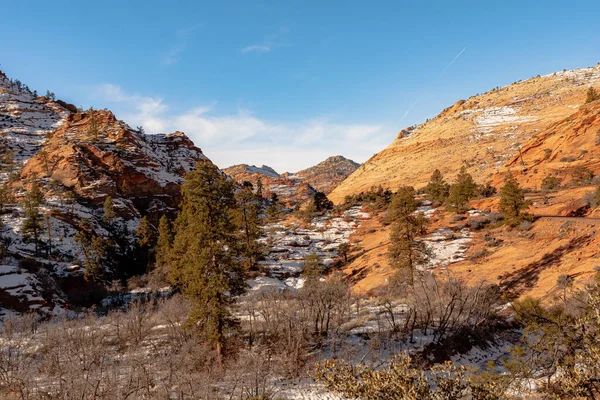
x=486, y=132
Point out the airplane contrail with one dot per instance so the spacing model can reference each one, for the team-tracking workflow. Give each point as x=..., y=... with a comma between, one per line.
x=414, y=103
x=452, y=62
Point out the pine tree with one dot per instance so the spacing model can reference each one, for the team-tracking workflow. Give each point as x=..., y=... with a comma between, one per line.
x=109, y=212
x=204, y=259
x=437, y=188
x=312, y=266
x=32, y=228
x=259, y=188
x=145, y=243
x=94, y=252
x=93, y=129
x=406, y=252
x=462, y=191
x=248, y=220
x=512, y=200
x=592, y=95
x=5, y=196
x=343, y=251
x=321, y=202
x=164, y=242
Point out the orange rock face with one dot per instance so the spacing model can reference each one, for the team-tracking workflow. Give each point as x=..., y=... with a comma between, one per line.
x=98, y=156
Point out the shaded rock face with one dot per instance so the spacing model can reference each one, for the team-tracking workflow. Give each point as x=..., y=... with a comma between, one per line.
x=328, y=174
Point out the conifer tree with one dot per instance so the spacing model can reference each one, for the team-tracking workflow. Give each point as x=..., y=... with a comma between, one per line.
x=109, y=212
x=462, y=191
x=164, y=242
x=321, y=202
x=406, y=252
x=145, y=243
x=93, y=125
x=259, y=188
x=94, y=252
x=248, y=219
x=33, y=225
x=312, y=266
x=512, y=200
x=204, y=259
x=5, y=196
x=592, y=95
x=437, y=188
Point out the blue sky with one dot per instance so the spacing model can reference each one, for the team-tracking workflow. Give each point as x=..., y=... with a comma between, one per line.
x=288, y=83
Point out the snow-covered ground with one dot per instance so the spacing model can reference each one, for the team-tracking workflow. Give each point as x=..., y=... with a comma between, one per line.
x=289, y=246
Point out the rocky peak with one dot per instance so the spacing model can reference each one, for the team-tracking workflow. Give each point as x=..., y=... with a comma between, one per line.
x=326, y=175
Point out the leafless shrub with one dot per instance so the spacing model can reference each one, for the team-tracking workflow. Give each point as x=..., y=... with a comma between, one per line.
x=445, y=306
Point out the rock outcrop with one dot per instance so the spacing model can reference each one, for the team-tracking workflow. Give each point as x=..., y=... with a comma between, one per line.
x=328, y=174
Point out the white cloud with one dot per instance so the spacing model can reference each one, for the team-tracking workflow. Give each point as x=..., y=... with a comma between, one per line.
x=257, y=48
x=269, y=43
x=243, y=137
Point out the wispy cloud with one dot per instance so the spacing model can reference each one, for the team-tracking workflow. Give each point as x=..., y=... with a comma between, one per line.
x=269, y=43
x=258, y=48
x=453, y=60
x=173, y=55
x=243, y=137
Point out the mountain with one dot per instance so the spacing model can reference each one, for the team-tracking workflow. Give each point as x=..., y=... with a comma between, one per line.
x=296, y=188
x=487, y=132
x=328, y=174
x=78, y=160
x=291, y=191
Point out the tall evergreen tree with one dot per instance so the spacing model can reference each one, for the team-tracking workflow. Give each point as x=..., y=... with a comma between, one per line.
x=204, y=259
x=259, y=187
x=406, y=252
x=145, y=240
x=164, y=242
x=512, y=200
x=95, y=254
x=462, y=191
x=248, y=219
x=33, y=227
x=437, y=188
